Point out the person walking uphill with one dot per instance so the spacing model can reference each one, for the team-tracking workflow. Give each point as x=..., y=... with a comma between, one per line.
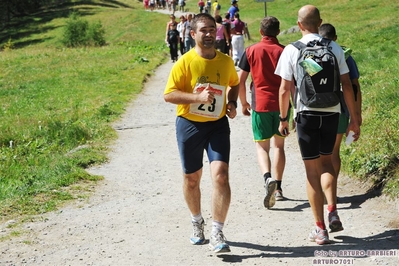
x=261, y=59
x=222, y=37
x=328, y=31
x=204, y=84
x=316, y=126
x=169, y=24
x=180, y=28
x=233, y=9
x=173, y=42
x=188, y=40
x=237, y=40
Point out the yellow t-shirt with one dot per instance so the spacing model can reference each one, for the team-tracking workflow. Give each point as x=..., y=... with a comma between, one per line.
x=192, y=73
x=214, y=5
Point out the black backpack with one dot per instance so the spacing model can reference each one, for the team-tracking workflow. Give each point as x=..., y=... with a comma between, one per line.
x=318, y=77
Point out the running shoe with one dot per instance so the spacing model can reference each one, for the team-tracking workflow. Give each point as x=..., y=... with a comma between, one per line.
x=217, y=243
x=278, y=195
x=319, y=236
x=335, y=223
x=270, y=186
x=197, y=238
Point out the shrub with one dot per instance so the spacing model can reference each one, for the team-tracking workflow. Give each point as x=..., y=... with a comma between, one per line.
x=78, y=32
x=95, y=34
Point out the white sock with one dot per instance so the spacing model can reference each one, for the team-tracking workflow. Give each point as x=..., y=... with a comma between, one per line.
x=217, y=227
x=197, y=218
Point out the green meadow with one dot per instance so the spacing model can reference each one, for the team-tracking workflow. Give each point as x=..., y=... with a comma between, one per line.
x=58, y=103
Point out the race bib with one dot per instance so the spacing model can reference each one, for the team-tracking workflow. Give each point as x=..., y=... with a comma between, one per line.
x=213, y=110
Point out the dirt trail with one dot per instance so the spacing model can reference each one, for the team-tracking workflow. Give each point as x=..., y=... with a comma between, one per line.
x=137, y=215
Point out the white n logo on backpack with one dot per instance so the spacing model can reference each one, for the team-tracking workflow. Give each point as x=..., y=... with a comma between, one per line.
x=323, y=81
x=321, y=88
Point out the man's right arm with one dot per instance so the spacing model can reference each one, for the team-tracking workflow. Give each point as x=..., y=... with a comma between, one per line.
x=243, y=93
x=354, y=76
x=181, y=97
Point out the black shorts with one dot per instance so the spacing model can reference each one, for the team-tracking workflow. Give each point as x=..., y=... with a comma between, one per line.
x=316, y=133
x=195, y=137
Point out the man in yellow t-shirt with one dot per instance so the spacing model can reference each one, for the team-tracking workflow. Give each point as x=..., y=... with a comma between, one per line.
x=204, y=84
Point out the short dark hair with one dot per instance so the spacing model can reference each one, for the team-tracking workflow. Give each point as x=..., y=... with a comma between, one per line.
x=218, y=19
x=327, y=31
x=270, y=26
x=201, y=17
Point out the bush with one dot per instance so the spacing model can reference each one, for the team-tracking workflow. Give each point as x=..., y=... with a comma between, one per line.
x=95, y=34
x=78, y=32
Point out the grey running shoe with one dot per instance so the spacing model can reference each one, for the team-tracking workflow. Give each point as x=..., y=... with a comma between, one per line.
x=197, y=238
x=335, y=223
x=278, y=195
x=217, y=243
x=270, y=186
x=319, y=236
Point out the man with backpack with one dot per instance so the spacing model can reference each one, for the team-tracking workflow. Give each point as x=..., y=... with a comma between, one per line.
x=216, y=8
x=316, y=111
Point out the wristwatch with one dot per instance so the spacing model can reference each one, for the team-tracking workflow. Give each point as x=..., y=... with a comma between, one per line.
x=283, y=119
x=234, y=103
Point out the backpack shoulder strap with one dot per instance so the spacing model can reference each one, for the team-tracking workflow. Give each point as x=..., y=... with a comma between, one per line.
x=299, y=45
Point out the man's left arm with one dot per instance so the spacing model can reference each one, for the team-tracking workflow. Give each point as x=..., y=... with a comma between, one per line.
x=284, y=103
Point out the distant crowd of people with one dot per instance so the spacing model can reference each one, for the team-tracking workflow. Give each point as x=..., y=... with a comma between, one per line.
x=230, y=31
x=171, y=5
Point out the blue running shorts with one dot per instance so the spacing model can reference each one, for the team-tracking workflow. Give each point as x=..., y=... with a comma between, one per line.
x=195, y=137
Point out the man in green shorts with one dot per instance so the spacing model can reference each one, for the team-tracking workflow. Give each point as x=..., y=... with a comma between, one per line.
x=260, y=60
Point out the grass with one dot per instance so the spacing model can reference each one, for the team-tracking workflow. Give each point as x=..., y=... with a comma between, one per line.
x=58, y=103
x=56, y=99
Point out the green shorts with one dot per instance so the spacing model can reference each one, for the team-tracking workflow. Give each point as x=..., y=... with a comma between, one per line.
x=343, y=123
x=265, y=125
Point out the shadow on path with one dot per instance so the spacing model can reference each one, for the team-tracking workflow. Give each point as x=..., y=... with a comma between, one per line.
x=383, y=241
x=356, y=201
